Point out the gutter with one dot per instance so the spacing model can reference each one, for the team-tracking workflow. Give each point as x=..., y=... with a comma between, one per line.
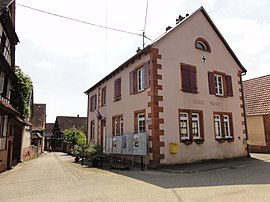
x=244, y=109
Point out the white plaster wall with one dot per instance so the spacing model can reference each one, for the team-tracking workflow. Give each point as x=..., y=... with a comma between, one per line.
x=26, y=137
x=178, y=47
x=126, y=106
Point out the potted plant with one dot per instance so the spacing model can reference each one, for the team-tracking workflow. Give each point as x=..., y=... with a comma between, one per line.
x=93, y=152
x=77, y=152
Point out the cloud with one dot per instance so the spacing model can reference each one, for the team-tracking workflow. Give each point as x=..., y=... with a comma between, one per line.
x=47, y=65
x=209, y=4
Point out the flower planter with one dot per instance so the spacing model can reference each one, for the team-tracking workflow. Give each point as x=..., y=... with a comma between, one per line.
x=199, y=141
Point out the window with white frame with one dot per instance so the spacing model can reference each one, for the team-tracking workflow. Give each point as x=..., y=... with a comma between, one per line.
x=219, y=84
x=7, y=52
x=9, y=86
x=196, y=126
x=141, y=123
x=223, y=126
x=140, y=79
x=184, y=126
x=217, y=121
x=227, y=131
x=115, y=122
x=92, y=131
x=103, y=96
x=121, y=125
x=118, y=125
x=191, y=125
x=3, y=131
x=2, y=81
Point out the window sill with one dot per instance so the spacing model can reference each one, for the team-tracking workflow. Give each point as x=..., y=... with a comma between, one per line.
x=117, y=99
x=192, y=92
x=220, y=140
x=186, y=141
x=199, y=141
x=230, y=139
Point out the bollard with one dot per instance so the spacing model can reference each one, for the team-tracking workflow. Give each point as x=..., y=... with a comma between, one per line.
x=142, y=163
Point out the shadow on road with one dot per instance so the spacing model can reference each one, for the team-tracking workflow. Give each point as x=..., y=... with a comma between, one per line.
x=253, y=173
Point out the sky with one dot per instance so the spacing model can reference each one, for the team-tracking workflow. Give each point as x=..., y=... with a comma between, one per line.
x=64, y=58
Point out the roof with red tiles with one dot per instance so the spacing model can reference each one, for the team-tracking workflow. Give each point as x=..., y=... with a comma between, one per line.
x=67, y=122
x=257, y=95
x=39, y=118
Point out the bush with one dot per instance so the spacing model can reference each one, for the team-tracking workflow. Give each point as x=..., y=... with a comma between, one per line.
x=93, y=151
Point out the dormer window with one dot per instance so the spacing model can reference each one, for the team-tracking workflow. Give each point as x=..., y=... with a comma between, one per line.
x=202, y=44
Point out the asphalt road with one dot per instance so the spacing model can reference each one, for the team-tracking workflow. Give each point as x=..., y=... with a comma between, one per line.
x=55, y=177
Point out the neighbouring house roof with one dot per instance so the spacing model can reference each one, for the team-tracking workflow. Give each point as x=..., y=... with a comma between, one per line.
x=48, y=129
x=39, y=118
x=257, y=95
x=148, y=48
x=67, y=122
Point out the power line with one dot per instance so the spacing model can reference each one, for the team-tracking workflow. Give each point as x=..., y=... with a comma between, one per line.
x=81, y=21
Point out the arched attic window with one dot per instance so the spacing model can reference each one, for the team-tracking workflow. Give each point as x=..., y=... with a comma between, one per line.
x=202, y=44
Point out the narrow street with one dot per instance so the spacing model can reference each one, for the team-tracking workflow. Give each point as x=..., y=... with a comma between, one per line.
x=55, y=177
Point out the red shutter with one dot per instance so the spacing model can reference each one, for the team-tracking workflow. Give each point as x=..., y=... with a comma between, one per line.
x=193, y=80
x=185, y=79
x=135, y=122
x=146, y=75
x=131, y=83
x=211, y=83
x=95, y=102
x=228, y=79
x=113, y=125
x=117, y=89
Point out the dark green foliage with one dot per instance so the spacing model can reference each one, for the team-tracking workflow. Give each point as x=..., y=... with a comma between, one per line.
x=93, y=151
x=21, y=92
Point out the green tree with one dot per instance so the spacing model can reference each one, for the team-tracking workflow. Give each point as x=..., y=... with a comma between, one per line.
x=21, y=92
x=74, y=137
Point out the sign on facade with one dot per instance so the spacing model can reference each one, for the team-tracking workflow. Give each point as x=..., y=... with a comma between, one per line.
x=127, y=144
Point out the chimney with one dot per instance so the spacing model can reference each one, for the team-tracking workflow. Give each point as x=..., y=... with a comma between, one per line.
x=78, y=115
x=168, y=28
x=179, y=19
x=138, y=50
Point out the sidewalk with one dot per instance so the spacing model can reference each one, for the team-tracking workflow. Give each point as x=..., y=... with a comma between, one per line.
x=214, y=164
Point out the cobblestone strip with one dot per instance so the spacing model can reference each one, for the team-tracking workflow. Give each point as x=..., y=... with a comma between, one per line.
x=65, y=166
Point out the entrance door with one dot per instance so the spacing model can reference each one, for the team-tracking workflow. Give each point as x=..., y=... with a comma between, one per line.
x=9, y=164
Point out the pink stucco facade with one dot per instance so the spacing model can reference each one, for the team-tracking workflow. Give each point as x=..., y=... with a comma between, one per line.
x=165, y=99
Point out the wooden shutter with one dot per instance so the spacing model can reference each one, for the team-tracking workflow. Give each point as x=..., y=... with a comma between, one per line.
x=146, y=75
x=135, y=122
x=193, y=79
x=211, y=83
x=113, y=125
x=185, y=79
x=117, y=89
x=228, y=80
x=95, y=101
x=131, y=83
x=91, y=103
